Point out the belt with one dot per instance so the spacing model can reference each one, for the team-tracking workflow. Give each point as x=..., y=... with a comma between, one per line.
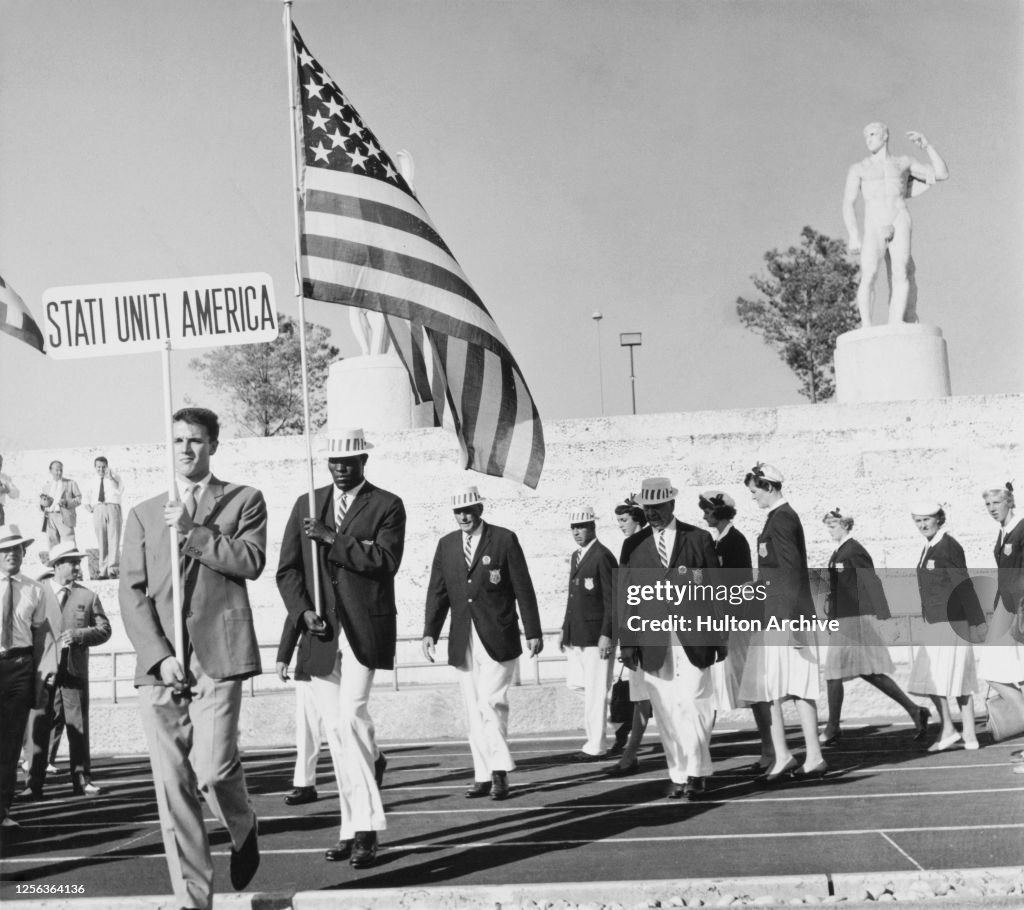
x=16, y=652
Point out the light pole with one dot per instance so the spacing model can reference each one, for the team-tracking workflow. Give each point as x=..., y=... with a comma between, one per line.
x=597, y=316
x=631, y=340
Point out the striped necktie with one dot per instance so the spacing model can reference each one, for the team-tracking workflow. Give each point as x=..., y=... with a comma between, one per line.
x=192, y=500
x=468, y=549
x=662, y=549
x=340, y=512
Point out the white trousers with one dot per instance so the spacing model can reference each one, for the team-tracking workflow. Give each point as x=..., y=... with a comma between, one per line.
x=106, y=522
x=680, y=696
x=594, y=673
x=484, y=683
x=308, y=733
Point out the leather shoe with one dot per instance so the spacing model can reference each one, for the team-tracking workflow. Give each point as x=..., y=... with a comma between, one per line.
x=364, y=850
x=676, y=791
x=31, y=795
x=246, y=860
x=695, y=788
x=586, y=756
x=499, y=785
x=921, y=724
x=379, y=766
x=621, y=770
x=8, y=822
x=343, y=850
x=817, y=772
x=480, y=788
x=617, y=748
x=774, y=777
x=831, y=739
x=300, y=796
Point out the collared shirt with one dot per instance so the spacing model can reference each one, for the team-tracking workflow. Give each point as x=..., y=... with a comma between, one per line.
x=55, y=490
x=717, y=534
x=349, y=496
x=185, y=487
x=474, y=539
x=670, y=531
x=582, y=551
x=7, y=488
x=1007, y=528
x=29, y=607
x=929, y=544
x=775, y=505
x=113, y=490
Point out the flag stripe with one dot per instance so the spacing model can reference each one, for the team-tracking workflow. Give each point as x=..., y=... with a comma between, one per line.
x=347, y=183
x=506, y=417
x=15, y=319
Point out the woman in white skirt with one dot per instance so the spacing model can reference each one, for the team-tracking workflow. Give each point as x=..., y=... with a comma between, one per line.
x=944, y=666
x=1001, y=660
x=783, y=667
x=855, y=649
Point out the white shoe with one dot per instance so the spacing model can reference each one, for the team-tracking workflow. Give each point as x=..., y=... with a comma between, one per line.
x=9, y=822
x=51, y=769
x=1018, y=768
x=942, y=745
x=971, y=745
x=92, y=788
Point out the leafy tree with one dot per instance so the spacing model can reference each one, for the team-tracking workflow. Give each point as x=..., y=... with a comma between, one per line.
x=810, y=291
x=263, y=382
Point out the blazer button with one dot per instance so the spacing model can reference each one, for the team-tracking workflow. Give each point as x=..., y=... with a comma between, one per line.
x=469, y=600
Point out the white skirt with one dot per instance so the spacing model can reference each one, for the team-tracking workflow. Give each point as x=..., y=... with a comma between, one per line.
x=1002, y=661
x=726, y=675
x=771, y=672
x=856, y=649
x=946, y=669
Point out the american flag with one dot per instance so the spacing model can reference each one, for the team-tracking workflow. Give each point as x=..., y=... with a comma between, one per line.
x=15, y=319
x=367, y=242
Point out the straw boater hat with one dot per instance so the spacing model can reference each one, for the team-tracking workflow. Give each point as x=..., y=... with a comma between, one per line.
x=715, y=499
x=344, y=443
x=998, y=486
x=66, y=549
x=470, y=496
x=585, y=515
x=656, y=490
x=925, y=506
x=10, y=537
x=767, y=472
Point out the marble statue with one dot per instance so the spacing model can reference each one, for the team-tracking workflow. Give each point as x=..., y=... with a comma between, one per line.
x=887, y=182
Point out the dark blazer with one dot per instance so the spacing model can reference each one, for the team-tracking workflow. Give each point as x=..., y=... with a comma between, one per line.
x=694, y=549
x=854, y=587
x=1010, y=560
x=357, y=577
x=947, y=593
x=733, y=552
x=631, y=543
x=590, y=609
x=782, y=562
x=487, y=593
x=290, y=635
x=83, y=615
x=227, y=548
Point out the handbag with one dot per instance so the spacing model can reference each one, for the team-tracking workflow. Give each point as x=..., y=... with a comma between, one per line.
x=1005, y=719
x=620, y=708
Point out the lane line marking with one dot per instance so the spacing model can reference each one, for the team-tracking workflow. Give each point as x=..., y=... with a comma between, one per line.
x=901, y=851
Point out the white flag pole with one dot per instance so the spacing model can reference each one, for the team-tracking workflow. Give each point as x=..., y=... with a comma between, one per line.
x=293, y=110
x=172, y=494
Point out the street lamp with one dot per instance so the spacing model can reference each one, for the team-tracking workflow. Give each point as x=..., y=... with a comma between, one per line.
x=597, y=316
x=631, y=340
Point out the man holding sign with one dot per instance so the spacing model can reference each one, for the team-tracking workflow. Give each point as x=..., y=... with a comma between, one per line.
x=190, y=711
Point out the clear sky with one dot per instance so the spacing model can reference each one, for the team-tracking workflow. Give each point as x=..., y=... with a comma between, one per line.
x=634, y=158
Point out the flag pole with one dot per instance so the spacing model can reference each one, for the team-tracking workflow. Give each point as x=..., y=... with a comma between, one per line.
x=172, y=494
x=293, y=95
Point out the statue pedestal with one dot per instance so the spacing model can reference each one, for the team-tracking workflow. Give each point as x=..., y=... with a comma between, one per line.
x=894, y=362
x=372, y=392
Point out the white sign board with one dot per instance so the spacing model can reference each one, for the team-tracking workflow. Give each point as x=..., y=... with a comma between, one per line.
x=103, y=320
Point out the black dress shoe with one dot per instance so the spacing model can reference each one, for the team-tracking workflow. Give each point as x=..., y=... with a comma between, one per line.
x=815, y=773
x=832, y=739
x=621, y=770
x=300, y=796
x=479, y=789
x=343, y=850
x=616, y=749
x=586, y=756
x=921, y=724
x=379, y=766
x=499, y=785
x=676, y=791
x=246, y=860
x=695, y=788
x=364, y=850
x=771, y=779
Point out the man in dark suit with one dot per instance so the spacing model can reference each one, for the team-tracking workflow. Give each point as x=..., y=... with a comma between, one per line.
x=82, y=625
x=676, y=669
x=587, y=628
x=480, y=574
x=190, y=710
x=359, y=532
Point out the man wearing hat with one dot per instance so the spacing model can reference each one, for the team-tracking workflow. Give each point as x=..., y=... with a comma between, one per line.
x=82, y=624
x=359, y=532
x=480, y=574
x=676, y=672
x=24, y=670
x=587, y=627
x=190, y=710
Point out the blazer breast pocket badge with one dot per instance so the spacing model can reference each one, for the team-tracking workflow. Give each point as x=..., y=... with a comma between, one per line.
x=762, y=550
x=588, y=583
x=495, y=576
x=486, y=560
x=1008, y=549
x=930, y=565
x=839, y=567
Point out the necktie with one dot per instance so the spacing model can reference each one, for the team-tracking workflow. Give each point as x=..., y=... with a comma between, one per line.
x=662, y=549
x=339, y=513
x=7, y=636
x=468, y=549
x=191, y=501
x=923, y=559
x=103, y=496
x=62, y=597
